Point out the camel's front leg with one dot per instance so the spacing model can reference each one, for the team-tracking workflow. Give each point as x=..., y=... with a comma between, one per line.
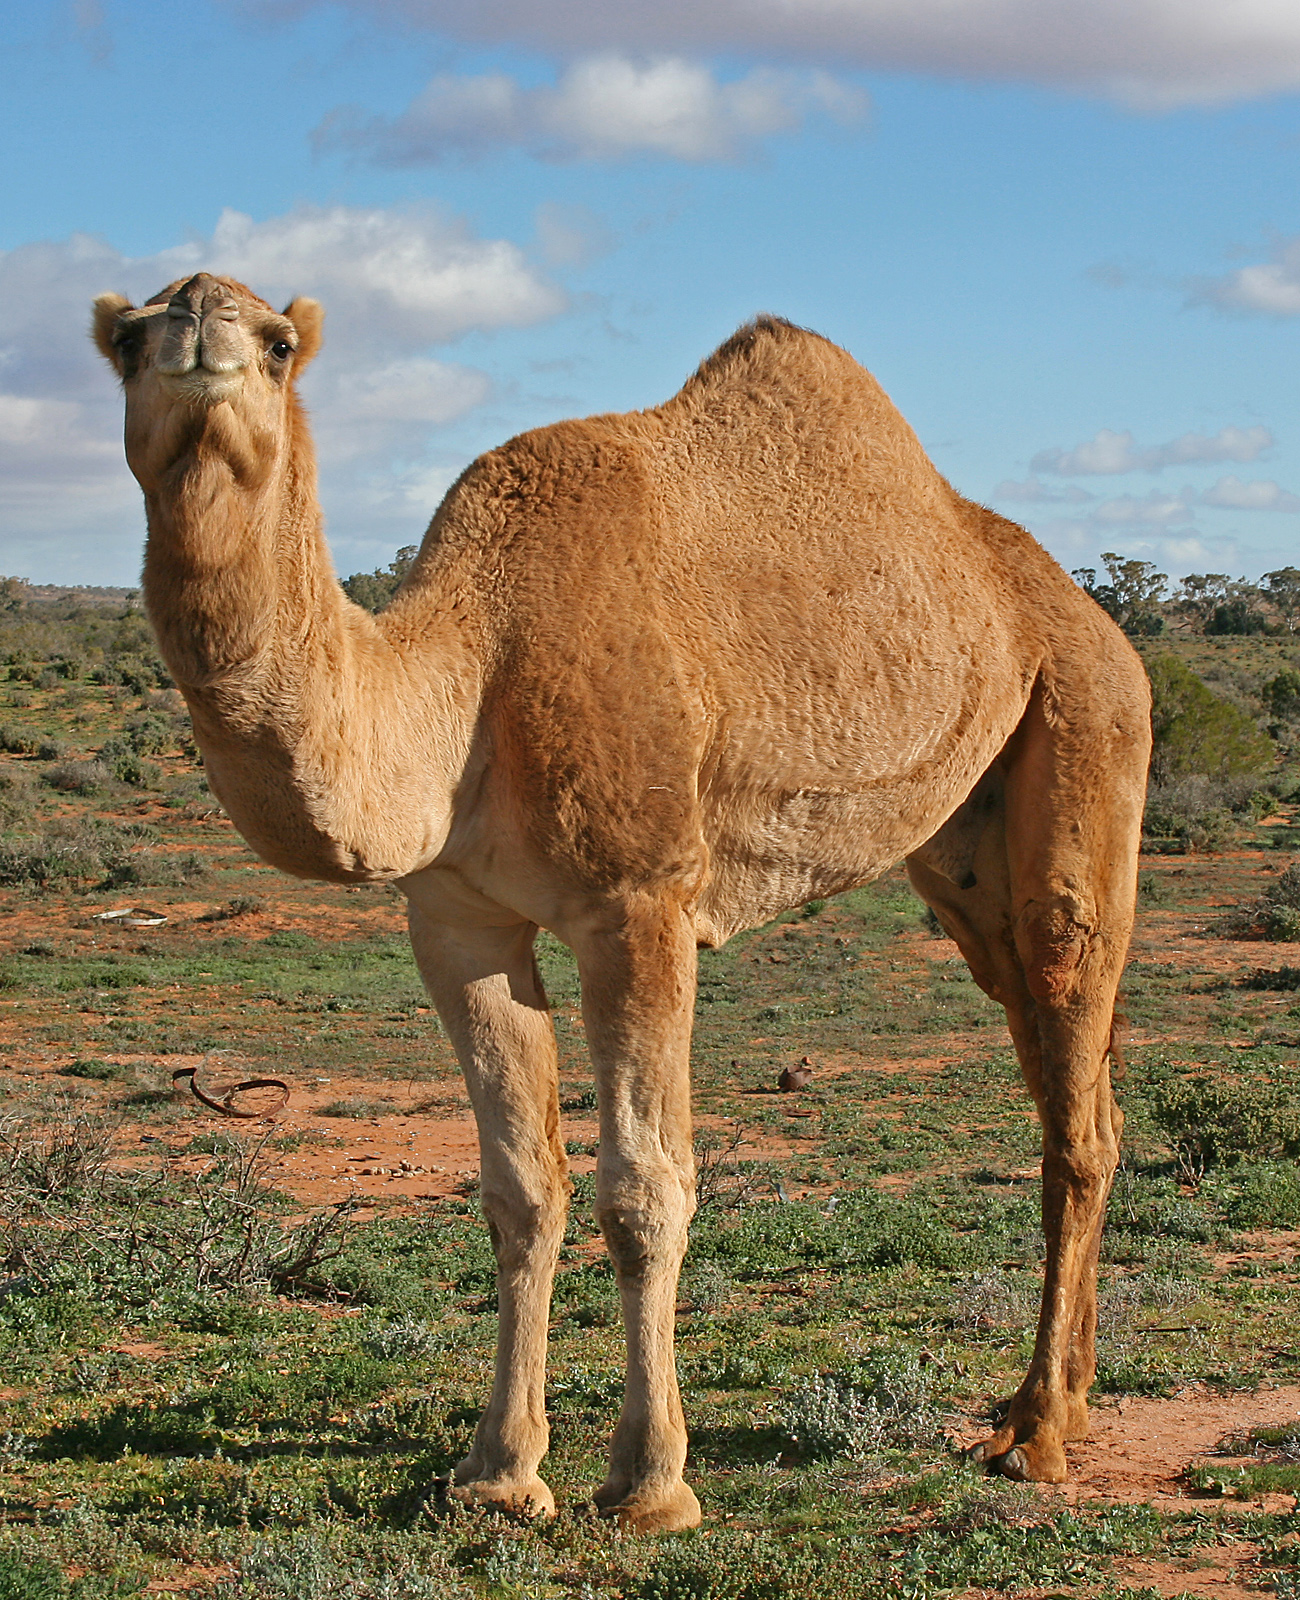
x=638, y=992
x=485, y=985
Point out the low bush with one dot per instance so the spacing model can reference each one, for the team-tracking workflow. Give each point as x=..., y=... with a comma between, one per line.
x=71, y=1223
x=1274, y=915
x=1273, y=978
x=1281, y=695
x=151, y=734
x=128, y=765
x=18, y=741
x=1198, y=813
x=881, y=1404
x=96, y=1071
x=79, y=854
x=156, y=869
x=77, y=777
x=356, y=1108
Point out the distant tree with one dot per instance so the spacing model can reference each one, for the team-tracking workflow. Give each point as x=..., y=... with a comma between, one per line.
x=1283, y=590
x=1198, y=596
x=14, y=593
x=1242, y=610
x=374, y=590
x=1197, y=732
x=1133, y=594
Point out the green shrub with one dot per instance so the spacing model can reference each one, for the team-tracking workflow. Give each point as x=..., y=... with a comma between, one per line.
x=156, y=869
x=128, y=765
x=151, y=734
x=49, y=859
x=18, y=741
x=356, y=1109
x=1265, y=1195
x=1197, y=732
x=29, y=1577
x=1281, y=695
x=1210, y=1121
x=96, y=1071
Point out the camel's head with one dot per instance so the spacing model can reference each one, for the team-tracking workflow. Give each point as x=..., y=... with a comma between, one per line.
x=206, y=359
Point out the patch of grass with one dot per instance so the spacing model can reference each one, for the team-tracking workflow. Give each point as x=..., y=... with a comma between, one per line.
x=97, y=1071
x=355, y=1108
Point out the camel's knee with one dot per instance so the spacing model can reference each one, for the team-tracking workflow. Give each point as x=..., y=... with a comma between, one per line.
x=1077, y=1177
x=1058, y=942
x=524, y=1222
x=646, y=1223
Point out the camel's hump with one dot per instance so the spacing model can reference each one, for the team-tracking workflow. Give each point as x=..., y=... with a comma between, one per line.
x=769, y=351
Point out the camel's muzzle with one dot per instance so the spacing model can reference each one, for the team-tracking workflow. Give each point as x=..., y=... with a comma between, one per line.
x=202, y=330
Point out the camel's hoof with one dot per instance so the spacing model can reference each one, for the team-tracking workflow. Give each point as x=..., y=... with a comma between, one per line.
x=979, y=1453
x=530, y=1498
x=1028, y=1462
x=667, y=1510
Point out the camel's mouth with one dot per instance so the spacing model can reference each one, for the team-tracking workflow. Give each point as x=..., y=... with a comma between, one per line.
x=203, y=387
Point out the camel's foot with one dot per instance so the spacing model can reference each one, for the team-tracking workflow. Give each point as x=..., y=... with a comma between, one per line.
x=516, y=1497
x=651, y=1508
x=1032, y=1460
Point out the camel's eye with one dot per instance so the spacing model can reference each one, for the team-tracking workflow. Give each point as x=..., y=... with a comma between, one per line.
x=281, y=349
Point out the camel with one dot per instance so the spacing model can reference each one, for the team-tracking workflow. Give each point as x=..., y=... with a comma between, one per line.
x=653, y=679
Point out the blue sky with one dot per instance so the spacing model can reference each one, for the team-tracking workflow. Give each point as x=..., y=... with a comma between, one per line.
x=1066, y=238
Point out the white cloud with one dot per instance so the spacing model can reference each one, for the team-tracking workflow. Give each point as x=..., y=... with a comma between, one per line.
x=601, y=108
x=1271, y=288
x=1147, y=54
x=1107, y=451
x=1110, y=452
x=1131, y=509
x=1259, y=494
x=1034, y=490
x=394, y=284
x=414, y=274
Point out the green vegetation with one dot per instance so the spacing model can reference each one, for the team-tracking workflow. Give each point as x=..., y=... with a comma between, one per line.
x=220, y=1384
x=1196, y=732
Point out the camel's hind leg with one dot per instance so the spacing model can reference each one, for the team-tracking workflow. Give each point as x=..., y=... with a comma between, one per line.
x=1045, y=927
x=485, y=984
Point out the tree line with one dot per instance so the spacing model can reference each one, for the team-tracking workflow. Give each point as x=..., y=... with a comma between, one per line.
x=1141, y=600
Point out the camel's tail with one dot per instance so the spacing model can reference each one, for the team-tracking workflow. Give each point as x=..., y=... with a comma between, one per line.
x=1115, y=1046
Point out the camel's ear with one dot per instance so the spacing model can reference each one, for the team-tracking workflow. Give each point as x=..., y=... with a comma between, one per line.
x=108, y=308
x=308, y=318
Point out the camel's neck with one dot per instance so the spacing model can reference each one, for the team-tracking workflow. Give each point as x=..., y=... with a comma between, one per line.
x=334, y=752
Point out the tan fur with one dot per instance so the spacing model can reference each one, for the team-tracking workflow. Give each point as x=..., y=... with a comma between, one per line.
x=653, y=679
